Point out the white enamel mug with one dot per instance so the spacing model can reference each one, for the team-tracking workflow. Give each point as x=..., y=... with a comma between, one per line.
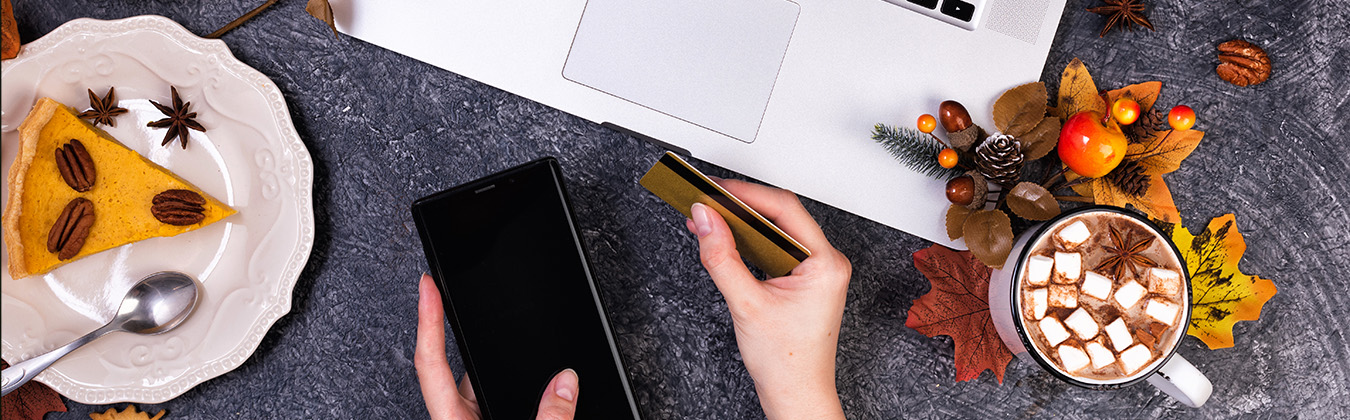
x=1170, y=373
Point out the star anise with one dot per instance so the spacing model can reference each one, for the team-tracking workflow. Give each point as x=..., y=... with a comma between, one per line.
x=179, y=121
x=1122, y=13
x=103, y=110
x=1124, y=251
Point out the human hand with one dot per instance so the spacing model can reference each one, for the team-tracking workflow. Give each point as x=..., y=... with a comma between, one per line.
x=447, y=402
x=787, y=328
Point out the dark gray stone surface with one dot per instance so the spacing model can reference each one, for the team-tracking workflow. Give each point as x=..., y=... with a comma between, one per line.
x=384, y=129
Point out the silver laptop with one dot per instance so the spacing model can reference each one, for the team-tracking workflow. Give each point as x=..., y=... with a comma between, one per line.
x=783, y=91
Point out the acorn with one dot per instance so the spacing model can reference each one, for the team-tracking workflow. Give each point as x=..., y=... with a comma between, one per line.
x=954, y=116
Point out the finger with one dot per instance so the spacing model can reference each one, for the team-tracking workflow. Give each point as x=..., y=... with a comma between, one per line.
x=717, y=251
x=433, y=371
x=782, y=208
x=560, y=397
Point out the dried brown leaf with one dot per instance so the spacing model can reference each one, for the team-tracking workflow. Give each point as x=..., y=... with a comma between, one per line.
x=1032, y=202
x=1020, y=109
x=989, y=235
x=1041, y=140
x=32, y=400
x=956, y=219
x=323, y=11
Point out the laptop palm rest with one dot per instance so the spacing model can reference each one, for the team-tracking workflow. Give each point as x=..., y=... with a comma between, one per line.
x=711, y=63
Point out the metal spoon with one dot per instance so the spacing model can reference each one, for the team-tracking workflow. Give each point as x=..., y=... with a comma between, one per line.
x=156, y=304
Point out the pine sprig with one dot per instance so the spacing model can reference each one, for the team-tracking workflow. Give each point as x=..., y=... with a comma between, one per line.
x=915, y=149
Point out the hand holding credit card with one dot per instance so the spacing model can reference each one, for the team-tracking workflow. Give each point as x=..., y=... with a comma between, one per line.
x=758, y=240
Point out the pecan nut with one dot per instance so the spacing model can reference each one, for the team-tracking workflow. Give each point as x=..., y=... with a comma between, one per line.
x=178, y=207
x=71, y=229
x=75, y=165
x=1243, y=63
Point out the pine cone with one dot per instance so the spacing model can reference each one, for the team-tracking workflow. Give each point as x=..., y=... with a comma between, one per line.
x=1148, y=123
x=1129, y=176
x=1000, y=158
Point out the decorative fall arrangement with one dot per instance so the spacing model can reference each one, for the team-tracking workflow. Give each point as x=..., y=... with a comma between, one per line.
x=1108, y=155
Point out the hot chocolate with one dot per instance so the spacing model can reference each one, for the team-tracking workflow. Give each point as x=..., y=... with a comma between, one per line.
x=1102, y=296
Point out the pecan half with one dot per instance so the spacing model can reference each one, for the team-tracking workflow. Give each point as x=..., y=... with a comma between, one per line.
x=1243, y=63
x=75, y=165
x=71, y=229
x=178, y=207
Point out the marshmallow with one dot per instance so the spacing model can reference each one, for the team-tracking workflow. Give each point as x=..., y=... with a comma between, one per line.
x=1162, y=310
x=1134, y=358
x=1129, y=294
x=1074, y=234
x=1082, y=324
x=1163, y=281
x=1097, y=285
x=1119, y=334
x=1072, y=358
x=1064, y=295
x=1053, y=331
x=1101, y=357
x=1038, y=302
x=1069, y=265
x=1038, y=270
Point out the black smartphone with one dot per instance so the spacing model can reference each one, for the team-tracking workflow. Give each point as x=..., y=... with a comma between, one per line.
x=506, y=255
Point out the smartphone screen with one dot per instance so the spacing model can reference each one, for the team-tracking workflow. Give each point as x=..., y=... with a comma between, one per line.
x=505, y=253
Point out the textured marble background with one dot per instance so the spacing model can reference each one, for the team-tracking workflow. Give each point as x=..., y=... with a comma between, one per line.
x=385, y=129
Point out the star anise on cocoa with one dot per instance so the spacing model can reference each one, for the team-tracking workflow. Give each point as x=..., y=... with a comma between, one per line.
x=1122, y=13
x=179, y=121
x=1124, y=254
x=102, y=110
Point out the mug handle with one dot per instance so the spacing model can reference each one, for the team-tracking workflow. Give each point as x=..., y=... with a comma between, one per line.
x=1181, y=380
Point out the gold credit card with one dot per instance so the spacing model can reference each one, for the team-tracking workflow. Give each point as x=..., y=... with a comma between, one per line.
x=757, y=239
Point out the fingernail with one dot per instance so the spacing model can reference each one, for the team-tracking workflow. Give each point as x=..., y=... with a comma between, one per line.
x=567, y=385
x=701, y=220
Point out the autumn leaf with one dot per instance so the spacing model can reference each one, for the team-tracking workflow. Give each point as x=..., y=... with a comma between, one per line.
x=1156, y=202
x=989, y=235
x=1032, y=202
x=1144, y=93
x=1164, y=150
x=1221, y=295
x=129, y=413
x=9, y=34
x=321, y=10
x=1018, y=110
x=1077, y=92
x=956, y=221
x=958, y=307
x=32, y=400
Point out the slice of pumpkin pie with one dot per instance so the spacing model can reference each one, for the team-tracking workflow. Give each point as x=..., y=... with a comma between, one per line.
x=75, y=191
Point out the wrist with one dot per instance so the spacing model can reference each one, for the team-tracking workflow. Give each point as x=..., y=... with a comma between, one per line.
x=804, y=399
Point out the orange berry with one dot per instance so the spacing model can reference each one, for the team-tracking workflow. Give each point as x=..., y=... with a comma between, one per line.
x=948, y=158
x=1125, y=111
x=927, y=123
x=1181, y=117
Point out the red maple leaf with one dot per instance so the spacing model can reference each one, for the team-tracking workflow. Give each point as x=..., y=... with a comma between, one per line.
x=31, y=401
x=958, y=307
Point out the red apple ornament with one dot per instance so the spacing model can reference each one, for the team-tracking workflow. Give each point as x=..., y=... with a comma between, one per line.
x=1090, y=148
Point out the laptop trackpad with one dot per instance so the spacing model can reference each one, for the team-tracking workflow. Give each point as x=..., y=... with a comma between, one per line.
x=709, y=62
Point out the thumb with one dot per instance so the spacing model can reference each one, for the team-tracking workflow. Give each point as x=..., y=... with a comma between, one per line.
x=717, y=250
x=560, y=398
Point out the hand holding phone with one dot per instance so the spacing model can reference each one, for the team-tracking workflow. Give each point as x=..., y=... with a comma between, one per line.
x=787, y=328
x=446, y=401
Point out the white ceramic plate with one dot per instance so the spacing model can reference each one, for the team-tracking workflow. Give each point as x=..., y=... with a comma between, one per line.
x=250, y=157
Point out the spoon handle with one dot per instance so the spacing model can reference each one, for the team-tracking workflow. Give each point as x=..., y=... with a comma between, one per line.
x=22, y=372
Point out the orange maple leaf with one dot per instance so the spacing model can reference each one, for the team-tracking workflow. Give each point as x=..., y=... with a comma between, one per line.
x=958, y=307
x=1221, y=295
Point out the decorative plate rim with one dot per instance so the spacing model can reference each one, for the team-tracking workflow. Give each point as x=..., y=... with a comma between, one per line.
x=295, y=264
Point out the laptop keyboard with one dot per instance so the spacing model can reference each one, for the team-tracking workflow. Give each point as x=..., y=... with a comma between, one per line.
x=964, y=14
